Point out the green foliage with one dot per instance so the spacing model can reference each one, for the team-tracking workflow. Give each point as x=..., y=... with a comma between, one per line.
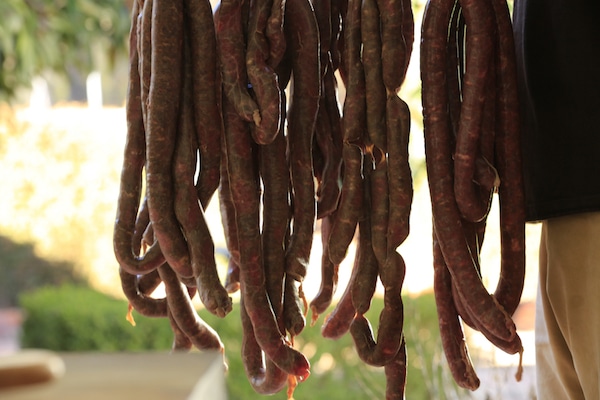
x=76, y=318
x=428, y=373
x=22, y=270
x=337, y=373
x=71, y=318
x=39, y=35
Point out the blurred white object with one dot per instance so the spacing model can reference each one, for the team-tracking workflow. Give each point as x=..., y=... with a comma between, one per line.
x=10, y=330
x=94, y=90
x=40, y=94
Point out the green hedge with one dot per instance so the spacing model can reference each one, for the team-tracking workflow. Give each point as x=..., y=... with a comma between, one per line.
x=72, y=318
x=337, y=373
x=77, y=318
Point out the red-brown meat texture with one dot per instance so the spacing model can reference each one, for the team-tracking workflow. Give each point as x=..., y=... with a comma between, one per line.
x=302, y=36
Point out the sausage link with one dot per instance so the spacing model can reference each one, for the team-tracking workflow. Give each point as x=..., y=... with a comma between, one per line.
x=206, y=94
x=329, y=175
x=131, y=175
x=302, y=38
x=391, y=318
x=231, y=43
x=408, y=32
x=400, y=184
x=354, y=109
x=294, y=305
x=145, y=54
x=451, y=333
x=329, y=274
x=275, y=34
x=354, y=128
x=330, y=187
x=181, y=342
x=273, y=169
x=439, y=166
x=375, y=91
x=262, y=76
x=264, y=376
x=379, y=210
x=338, y=321
x=394, y=48
x=349, y=209
x=455, y=66
x=139, y=300
x=163, y=111
x=227, y=212
x=479, y=20
x=245, y=196
x=189, y=211
x=508, y=162
x=185, y=316
x=395, y=375
x=367, y=268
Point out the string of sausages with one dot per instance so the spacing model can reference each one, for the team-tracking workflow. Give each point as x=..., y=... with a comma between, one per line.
x=243, y=101
x=472, y=150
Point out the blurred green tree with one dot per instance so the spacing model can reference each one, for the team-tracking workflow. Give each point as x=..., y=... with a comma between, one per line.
x=21, y=270
x=58, y=36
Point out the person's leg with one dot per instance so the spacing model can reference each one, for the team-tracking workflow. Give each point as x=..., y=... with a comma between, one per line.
x=555, y=374
x=570, y=306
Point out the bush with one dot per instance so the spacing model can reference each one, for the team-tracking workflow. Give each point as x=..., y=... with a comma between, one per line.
x=72, y=318
x=336, y=371
x=77, y=318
